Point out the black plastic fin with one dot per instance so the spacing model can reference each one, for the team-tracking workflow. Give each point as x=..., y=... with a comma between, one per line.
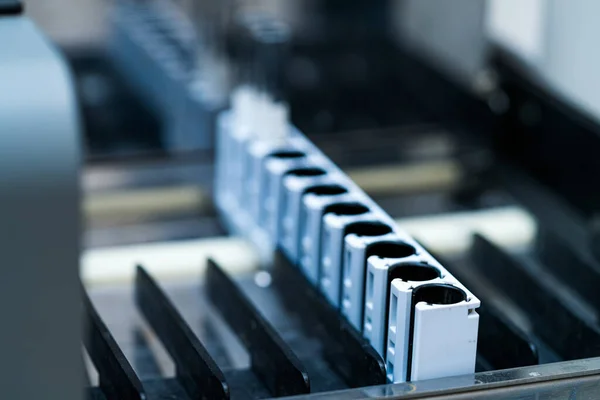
x=348, y=353
x=196, y=370
x=272, y=360
x=117, y=380
x=551, y=320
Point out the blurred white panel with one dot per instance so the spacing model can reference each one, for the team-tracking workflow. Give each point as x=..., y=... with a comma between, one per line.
x=518, y=25
x=179, y=260
x=573, y=61
x=450, y=33
x=453, y=232
x=558, y=39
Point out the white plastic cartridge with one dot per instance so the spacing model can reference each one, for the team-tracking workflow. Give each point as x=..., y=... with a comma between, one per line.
x=295, y=185
x=381, y=269
x=353, y=252
x=255, y=183
x=362, y=240
x=275, y=168
x=315, y=203
x=432, y=329
x=240, y=133
x=334, y=226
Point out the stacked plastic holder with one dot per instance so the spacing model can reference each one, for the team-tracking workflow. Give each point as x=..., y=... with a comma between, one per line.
x=154, y=46
x=280, y=191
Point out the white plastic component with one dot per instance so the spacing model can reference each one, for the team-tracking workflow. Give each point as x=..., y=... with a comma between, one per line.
x=257, y=126
x=274, y=170
x=229, y=186
x=259, y=119
x=277, y=122
x=398, y=331
x=452, y=353
x=313, y=206
x=399, y=327
x=235, y=141
x=376, y=295
x=248, y=178
x=353, y=275
x=255, y=182
x=257, y=115
x=242, y=103
x=431, y=354
x=292, y=216
x=332, y=247
x=223, y=169
x=236, y=154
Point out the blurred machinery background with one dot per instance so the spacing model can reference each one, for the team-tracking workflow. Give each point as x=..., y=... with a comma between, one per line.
x=472, y=124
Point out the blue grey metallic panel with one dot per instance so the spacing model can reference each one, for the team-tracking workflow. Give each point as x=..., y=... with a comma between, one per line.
x=40, y=339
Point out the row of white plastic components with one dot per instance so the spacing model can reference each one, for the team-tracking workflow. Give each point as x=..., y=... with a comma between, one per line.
x=279, y=190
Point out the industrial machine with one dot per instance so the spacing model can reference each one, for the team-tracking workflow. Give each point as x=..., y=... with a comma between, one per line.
x=323, y=199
